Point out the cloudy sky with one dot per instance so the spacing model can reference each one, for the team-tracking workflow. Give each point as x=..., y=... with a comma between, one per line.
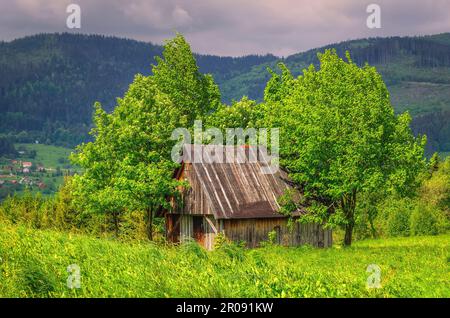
x=229, y=27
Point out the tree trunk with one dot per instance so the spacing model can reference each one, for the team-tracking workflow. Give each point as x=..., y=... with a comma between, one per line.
x=150, y=224
x=348, y=235
x=116, y=223
x=348, y=204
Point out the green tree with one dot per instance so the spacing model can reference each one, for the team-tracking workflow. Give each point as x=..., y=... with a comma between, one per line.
x=128, y=166
x=7, y=147
x=340, y=138
x=240, y=114
x=176, y=74
x=436, y=190
x=434, y=163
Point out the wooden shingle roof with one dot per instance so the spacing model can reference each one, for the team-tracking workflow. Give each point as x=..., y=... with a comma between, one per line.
x=238, y=188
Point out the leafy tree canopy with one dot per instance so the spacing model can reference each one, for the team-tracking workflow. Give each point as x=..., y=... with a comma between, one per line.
x=339, y=136
x=128, y=165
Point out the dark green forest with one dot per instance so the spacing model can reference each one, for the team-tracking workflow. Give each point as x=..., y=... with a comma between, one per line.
x=49, y=82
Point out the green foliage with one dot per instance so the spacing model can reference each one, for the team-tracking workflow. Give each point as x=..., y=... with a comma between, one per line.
x=341, y=144
x=272, y=237
x=241, y=114
x=61, y=213
x=398, y=218
x=57, y=77
x=69, y=72
x=425, y=214
x=280, y=86
x=7, y=148
x=220, y=240
x=38, y=212
x=38, y=280
x=177, y=75
x=192, y=250
x=128, y=167
x=434, y=162
x=288, y=203
x=34, y=262
x=436, y=190
x=424, y=221
x=408, y=217
x=340, y=137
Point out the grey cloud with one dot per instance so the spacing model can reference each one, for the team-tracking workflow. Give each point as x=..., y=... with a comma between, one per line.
x=231, y=27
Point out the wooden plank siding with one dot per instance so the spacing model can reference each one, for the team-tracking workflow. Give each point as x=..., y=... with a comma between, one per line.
x=254, y=231
x=251, y=231
x=194, y=200
x=186, y=228
x=210, y=232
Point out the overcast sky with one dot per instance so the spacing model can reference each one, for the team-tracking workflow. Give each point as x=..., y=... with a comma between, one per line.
x=229, y=27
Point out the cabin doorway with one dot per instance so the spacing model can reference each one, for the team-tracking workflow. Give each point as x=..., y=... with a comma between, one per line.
x=173, y=227
x=198, y=229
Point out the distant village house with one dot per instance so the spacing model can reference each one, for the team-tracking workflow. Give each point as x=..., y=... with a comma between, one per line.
x=26, y=164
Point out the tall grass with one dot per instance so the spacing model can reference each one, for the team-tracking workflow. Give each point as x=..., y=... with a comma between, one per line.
x=33, y=263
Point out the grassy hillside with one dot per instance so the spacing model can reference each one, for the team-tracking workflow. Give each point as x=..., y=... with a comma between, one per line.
x=47, y=155
x=34, y=264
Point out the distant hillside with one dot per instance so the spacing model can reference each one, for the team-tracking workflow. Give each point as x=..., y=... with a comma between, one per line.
x=49, y=82
x=416, y=69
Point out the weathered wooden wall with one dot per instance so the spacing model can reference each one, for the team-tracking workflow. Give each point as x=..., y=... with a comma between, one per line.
x=253, y=231
x=211, y=230
x=194, y=199
x=183, y=227
x=186, y=228
x=173, y=227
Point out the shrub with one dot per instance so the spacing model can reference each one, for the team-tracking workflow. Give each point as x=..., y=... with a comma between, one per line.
x=398, y=223
x=426, y=220
x=36, y=280
x=220, y=240
x=363, y=223
x=233, y=250
x=133, y=226
x=272, y=239
x=395, y=217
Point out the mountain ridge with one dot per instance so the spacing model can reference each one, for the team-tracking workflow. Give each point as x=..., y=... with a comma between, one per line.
x=49, y=82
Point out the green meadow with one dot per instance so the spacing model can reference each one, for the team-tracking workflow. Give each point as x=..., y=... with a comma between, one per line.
x=33, y=263
x=47, y=155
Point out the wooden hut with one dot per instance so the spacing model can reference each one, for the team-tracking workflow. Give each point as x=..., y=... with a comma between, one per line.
x=234, y=198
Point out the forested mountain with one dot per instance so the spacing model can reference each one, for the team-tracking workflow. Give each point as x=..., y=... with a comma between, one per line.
x=49, y=82
x=412, y=67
